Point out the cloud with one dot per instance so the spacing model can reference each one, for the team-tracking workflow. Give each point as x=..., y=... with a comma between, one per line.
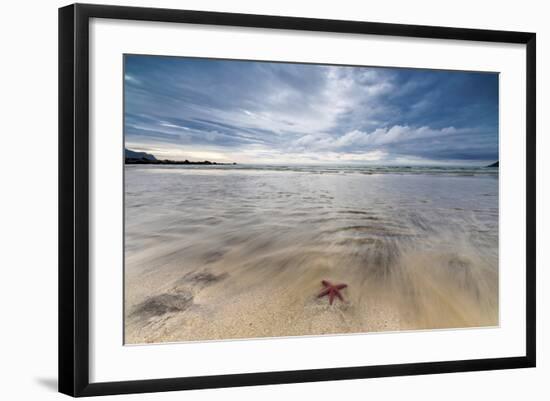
x=385, y=139
x=132, y=79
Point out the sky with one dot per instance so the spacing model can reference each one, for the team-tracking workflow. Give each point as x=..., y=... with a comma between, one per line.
x=286, y=113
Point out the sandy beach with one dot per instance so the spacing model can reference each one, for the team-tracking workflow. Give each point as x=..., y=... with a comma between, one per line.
x=226, y=253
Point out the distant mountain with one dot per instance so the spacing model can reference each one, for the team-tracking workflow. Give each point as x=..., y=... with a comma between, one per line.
x=495, y=164
x=132, y=154
x=131, y=160
x=133, y=157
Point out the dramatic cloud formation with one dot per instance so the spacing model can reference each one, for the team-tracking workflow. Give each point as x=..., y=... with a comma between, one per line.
x=260, y=112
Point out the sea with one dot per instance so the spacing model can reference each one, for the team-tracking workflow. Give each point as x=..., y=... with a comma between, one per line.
x=420, y=241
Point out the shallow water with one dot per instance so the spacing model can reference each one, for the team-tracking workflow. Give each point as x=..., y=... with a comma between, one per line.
x=239, y=251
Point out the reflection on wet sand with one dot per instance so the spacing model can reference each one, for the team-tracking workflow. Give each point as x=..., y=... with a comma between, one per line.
x=219, y=254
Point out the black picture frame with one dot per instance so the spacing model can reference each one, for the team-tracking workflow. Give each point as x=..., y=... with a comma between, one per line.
x=74, y=198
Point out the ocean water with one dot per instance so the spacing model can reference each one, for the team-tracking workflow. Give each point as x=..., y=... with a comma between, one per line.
x=418, y=248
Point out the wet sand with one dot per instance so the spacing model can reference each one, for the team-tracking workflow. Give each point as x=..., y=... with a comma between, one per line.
x=224, y=254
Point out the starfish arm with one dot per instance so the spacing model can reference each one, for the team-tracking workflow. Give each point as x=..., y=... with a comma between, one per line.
x=339, y=295
x=331, y=297
x=341, y=286
x=323, y=293
x=326, y=283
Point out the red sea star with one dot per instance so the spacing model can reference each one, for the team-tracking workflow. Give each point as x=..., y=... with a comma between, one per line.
x=332, y=290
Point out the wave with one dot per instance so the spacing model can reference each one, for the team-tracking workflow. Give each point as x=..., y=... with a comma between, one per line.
x=347, y=169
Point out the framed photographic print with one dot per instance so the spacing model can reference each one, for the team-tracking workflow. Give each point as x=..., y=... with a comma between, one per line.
x=250, y=199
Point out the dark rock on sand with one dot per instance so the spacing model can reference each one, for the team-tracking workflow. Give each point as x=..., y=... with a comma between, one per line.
x=164, y=303
x=206, y=277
